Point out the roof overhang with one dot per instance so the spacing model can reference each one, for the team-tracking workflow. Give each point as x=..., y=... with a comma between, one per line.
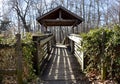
x=62, y=22
x=59, y=16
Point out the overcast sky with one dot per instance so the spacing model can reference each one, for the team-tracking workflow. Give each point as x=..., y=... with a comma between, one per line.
x=4, y=0
x=0, y=6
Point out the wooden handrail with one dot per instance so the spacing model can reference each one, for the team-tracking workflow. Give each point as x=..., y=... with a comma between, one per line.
x=43, y=46
x=75, y=47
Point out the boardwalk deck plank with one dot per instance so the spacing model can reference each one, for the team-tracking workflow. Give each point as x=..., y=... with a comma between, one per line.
x=63, y=68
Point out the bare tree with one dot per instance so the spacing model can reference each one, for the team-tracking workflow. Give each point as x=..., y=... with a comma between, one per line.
x=95, y=12
x=83, y=4
x=98, y=12
x=21, y=11
x=119, y=10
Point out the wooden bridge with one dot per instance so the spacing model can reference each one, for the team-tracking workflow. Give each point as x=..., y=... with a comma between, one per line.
x=58, y=63
x=55, y=63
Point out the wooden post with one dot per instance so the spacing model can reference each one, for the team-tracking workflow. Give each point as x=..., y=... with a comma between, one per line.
x=72, y=47
x=35, y=54
x=60, y=34
x=54, y=39
x=48, y=48
x=42, y=28
x=19, y=59
x=73, y=29
x=60, y=15
x=45, y=29
x=77, y=31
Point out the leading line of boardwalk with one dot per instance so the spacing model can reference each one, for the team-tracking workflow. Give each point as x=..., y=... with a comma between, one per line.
x=63, y=68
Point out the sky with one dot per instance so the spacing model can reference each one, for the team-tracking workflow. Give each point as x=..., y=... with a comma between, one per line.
x=0, y=1
x=0, y=6
x=4, y=0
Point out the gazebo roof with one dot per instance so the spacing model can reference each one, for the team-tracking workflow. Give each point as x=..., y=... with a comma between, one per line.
x=59, y=16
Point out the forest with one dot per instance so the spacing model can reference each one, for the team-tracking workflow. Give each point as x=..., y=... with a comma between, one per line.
x=20, y=15
x=100, y=33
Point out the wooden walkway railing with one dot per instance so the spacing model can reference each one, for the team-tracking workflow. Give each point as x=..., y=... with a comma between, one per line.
x=11, y=60
x=43, y=45
x=41, y=56
x=75, y=47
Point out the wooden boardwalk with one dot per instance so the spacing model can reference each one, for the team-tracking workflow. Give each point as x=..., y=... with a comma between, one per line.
x=63, y=68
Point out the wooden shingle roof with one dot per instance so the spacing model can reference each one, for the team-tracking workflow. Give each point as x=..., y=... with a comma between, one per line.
x=59, y=16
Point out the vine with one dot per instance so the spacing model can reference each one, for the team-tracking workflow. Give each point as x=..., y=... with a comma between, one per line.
x=28, y=48
x=93, y=47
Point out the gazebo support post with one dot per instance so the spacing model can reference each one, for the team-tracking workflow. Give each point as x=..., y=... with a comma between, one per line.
x=42, y=28
x=60, y=34
x=46, y=29
x=60, y=15
x=77, y=29
x=73, y=29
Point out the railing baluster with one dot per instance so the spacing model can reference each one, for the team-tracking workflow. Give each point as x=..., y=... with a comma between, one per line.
x=75, y=45
x=35, y=54
x=41, y=55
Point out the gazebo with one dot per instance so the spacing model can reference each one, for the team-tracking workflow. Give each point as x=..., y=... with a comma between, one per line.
x=59, y=16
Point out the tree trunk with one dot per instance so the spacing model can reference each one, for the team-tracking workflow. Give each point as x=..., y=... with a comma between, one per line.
x=89, y=13
x=98, y=10
x=27, y=29
x=119, y=15
x=83, y=2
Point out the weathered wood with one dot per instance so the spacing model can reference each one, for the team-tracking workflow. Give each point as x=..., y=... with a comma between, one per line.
x=60, y=15
x=72, y=47
x=63, y=66
x=59, y=22
x=41, y=54
x=19, y=59
x=35, y=55
x=8, y=72
x=79, y=55
x=42, y=28
x=44, y=41
x=48, y=47
x=77, y=31
x=54, y=41
x=60, y=31
x=75, y=48
x=59, y=12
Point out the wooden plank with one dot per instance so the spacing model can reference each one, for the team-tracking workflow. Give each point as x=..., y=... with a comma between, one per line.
x=41, y=53
x=42, y=42
x=8, y=72
x=35, y=57
x=59, y=22
x=75, y=37
x=60, y=15
x=77, y=45
x=19, y=59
